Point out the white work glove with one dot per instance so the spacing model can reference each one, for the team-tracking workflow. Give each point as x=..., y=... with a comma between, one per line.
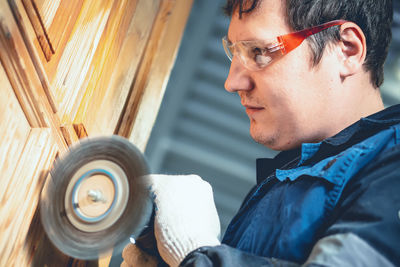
x=185, y=215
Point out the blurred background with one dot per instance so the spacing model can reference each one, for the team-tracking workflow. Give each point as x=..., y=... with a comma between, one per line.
x=203, y=129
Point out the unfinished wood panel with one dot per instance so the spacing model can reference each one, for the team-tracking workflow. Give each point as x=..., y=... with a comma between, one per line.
x=41, y=251
x=47, y=10
x=143, y=104
x=100, y=71
x=20, y=198
x=14, y=131
x=15, y=67
x=33, y=53
x=69, y=133
x=77, y=44
x=75, y=62
x=57, y=18
x=47, y=25
x=40, y=31
x=115, y=65
x=24, y=78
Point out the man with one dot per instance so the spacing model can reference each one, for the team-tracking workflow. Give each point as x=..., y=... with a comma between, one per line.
x=330, y=198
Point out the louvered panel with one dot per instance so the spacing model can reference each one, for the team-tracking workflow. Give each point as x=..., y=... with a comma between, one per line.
x=220, y=27
x=201, y=156
x=221, y=172
x=226, y=149
x=213, y=52
x=221, y=117
x=396, y=24
x=216, y=53
x=391, y=88
x=215, y=116
x=218, y=134
x=210, y=94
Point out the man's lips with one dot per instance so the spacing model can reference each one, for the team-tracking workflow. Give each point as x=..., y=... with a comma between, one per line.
x=252, y=109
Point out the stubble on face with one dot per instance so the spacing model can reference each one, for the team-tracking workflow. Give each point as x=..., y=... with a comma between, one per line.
x=259, y=128
x=265, y=139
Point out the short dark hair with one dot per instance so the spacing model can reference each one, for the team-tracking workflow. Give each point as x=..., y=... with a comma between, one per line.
x=374, y=17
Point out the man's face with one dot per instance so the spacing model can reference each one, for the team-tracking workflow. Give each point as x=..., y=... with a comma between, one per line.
x=288, y=102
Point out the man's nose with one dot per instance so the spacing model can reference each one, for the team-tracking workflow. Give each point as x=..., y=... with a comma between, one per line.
x=238, y=78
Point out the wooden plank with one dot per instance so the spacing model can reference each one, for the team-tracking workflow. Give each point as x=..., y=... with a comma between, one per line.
x=65, y=18
x=62, y=26
x=20, y=199
x=40, y=32
x=75, y=62
x=57, y=18
x=27, y=31
x=105, y=259
x=42, y=252
x=80, y=130
x=37, y=249
x=143, y=104
x=23, y=77
x=15, y=68
x=69, y=134
x=47, y=10
x=103, y=62
x=14, y=131
x=110, y=84
x=34, y=55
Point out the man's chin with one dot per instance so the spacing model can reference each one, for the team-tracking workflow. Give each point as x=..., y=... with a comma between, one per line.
x=264, y=139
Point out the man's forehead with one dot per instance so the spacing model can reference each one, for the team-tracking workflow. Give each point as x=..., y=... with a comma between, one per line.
x=246, y=7
x=265, y=23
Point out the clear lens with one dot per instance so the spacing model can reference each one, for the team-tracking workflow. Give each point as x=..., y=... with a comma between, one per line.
x=252, y=54
x=226, y=44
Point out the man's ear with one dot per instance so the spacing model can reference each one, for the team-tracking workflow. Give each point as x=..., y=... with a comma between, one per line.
x=353, y=49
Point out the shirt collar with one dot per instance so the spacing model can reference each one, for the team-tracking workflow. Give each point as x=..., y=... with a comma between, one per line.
x=366, y=127
x=314, y=152
x=267, y=166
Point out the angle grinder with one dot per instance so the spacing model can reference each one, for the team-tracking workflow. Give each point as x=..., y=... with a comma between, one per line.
x=90, y=204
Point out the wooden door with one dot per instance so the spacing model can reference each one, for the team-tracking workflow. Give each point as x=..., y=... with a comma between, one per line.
x=70, y=69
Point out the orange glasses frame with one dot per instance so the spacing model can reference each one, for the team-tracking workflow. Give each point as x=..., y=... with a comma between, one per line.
x=285, y=43
x=293, y=40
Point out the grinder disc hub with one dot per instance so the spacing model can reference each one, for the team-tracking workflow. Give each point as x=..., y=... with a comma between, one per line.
x=96, y=197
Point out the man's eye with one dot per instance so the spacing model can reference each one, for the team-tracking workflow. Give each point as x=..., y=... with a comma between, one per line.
x=257, y=51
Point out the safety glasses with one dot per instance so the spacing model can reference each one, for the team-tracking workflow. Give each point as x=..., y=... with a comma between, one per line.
x=256, y=55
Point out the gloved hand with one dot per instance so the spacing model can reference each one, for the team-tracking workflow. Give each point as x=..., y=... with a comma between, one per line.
x=185, y=215
x=134, y=256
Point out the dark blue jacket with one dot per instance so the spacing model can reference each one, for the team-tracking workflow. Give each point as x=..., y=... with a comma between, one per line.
x=334, y=203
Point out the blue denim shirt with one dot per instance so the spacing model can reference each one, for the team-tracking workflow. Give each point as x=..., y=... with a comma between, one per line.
x=295, y=201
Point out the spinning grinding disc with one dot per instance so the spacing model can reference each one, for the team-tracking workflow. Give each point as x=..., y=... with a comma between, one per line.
x=90, y=204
